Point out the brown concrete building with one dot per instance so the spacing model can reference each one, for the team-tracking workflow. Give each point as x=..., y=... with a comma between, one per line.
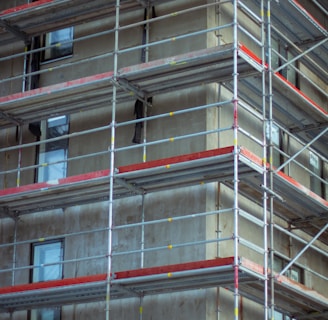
x=163, y=159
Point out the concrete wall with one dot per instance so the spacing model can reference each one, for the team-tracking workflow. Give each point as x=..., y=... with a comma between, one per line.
x=199, y=304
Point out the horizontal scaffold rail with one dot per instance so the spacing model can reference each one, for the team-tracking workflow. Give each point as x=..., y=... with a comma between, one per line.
x=300, y=27
x=169, y=74
x=32, y=19
x=293, y=109
x=291, y=297
x=174, y=172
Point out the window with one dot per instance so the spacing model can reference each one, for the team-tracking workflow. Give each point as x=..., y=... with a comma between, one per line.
x=276, y=144
x=47, y=253
x=281, y=316
x=281, y=54
x=316, y=168
x=53, y=154
x=292, y=75
x=60, y=44
x=45, y=257
x=46, y=314
x=294, y=272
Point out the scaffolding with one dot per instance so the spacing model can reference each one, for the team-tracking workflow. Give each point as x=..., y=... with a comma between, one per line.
x=258, y=88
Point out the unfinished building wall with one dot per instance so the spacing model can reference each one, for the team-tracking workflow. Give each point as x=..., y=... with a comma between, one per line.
x=195, y=235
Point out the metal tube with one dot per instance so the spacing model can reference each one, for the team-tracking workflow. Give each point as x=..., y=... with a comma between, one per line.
x=292, y=235
x=320, y=7
x=250, y=136
x=313, y=63
x=63, y=262
x=13, y=277
x=302, y=74
x=252, y=111
x=125, y=123
x=250, y=217
x=173, y=219
x=236, y=153
x=164, y=276
x=301, y=55
x=121, y=28
x=172, y=139
x=249, y=35
x=264, y=165
x=301, y=150
x=112, y=160
x=179, y=37
x=117, y=149
x=303, y=250
x=250, y=13
x=77, y=158
x=284, y=154
x=297, y=70
x=175, y=113
x=19, y=161
x=270, y=149
x=63, y=137
x=250, y=245
x=60, y=236
x=172, y=246
x=301, y=142
x=142, y=223
x=70, y=64
x=305, y=268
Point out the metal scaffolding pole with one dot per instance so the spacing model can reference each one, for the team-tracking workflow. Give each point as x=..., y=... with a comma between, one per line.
x=109, y=54
x=265, y=222
x=13, y=275
x=302, y=149
x=304, y=249
x=301, y=55
x=236, y=175
x=264, y=155
x=270, y=149
x=112, y=161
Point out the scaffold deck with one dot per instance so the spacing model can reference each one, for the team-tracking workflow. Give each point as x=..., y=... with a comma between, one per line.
x=293, y=298
x=168, y=74
x=31, y=19
x=299, y=204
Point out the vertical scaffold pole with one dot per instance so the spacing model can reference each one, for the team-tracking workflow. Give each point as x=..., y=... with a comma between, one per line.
x=20, y=129
x=144, y=153
x=112, y=164
x=270, y=95
x=236, y=176
x=13, y=277
x=264, y=164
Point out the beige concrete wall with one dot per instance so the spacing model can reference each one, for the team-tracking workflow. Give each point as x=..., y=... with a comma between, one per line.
x=199, y=304
x=159, y=205
x=12, y=3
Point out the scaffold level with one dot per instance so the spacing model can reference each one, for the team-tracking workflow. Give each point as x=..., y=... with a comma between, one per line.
x=305, y=118
x=299, y=204
x=293, y=298
x=259, y=175
x=295, y=110
x=302, y=29
x=31, y=19
x=163, y=75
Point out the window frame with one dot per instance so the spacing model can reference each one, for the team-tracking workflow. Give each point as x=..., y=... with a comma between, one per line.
x=276, y=144
x=316, y=166
x=58, y=48
x=52, y=156
x=289, y=273
x=48, y=313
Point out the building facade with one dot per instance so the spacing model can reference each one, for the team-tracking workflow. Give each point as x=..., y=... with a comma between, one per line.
x=163, y=159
